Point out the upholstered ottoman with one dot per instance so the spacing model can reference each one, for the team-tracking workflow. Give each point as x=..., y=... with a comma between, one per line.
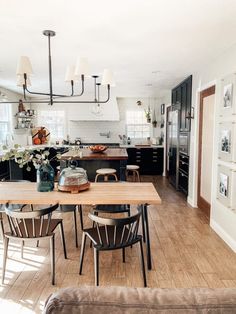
x=113, y=300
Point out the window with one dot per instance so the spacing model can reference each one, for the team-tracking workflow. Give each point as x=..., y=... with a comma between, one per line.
x=5, y=128
x=136, y=124
x=54, y=121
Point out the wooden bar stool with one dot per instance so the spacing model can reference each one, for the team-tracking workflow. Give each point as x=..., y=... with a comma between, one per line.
x=106, y=172
x=135, y=171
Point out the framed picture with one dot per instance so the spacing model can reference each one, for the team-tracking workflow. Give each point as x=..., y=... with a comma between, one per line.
x=163, y=109
x=228, y=97
x=226, y=136
x=224, y=185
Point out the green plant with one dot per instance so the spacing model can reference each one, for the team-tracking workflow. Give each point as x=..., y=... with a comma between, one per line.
x=148, y=113
x=24, y=157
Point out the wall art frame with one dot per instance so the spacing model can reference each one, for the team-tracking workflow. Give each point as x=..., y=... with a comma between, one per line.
x=228, y=96
x=224, y=185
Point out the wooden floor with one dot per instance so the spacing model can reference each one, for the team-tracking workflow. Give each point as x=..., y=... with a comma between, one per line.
x=186, y=252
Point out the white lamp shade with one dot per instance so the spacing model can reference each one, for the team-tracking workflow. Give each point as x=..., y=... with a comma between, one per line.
x=21, y=81
x=82, y=67
x=70, y=73
x=108, y=78
x=24, y=66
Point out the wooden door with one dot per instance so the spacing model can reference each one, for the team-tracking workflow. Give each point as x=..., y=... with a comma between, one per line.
x=206, y=121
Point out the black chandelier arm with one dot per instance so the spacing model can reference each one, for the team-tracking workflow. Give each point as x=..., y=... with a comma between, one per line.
x=86, y=101
x=27, y=102
x=25, y=88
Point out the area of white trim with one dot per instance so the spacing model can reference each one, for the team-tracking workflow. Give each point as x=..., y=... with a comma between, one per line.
x=191, y=202
x=224, y=235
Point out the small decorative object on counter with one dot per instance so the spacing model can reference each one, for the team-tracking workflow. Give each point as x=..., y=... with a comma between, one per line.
x=128, y=141
x=148, y=114
x=45, y=178
x=40, y=135
x=98, y=148
x=73, y=179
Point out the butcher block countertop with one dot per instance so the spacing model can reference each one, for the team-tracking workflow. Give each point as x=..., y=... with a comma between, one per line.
x=87, y=154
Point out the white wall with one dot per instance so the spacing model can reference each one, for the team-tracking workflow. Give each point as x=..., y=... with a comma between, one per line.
x=89, y=131
x=223, y=219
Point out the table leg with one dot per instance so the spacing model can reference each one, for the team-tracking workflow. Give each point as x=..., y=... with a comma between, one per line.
x=145, y=216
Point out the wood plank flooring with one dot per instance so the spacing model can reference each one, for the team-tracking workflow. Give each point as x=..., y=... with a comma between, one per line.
x=186, y=252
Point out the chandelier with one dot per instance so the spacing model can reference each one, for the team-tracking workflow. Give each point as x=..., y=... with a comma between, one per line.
x=73, y=74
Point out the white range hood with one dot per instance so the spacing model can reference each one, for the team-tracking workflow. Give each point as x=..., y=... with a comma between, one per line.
x=85, y=112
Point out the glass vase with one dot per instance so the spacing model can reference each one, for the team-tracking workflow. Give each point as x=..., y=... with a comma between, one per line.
x=45, y=178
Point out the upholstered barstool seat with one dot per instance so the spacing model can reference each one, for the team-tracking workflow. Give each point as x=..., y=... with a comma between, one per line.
x=106, y=172
x=134, y=169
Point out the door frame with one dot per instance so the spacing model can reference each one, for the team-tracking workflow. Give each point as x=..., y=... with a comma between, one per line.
x=201, y=203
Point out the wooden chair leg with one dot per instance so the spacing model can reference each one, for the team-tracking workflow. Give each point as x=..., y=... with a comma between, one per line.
x=126, y=174
x=5, y=250
x=133, y=175
x=115, y=176
x=123, y=254
x=52, y=253
x=82, y=252
x=63, y=239
x=137, y=173
x=96, y=266
x=22, y=249
x=1, y=227
x=75, y=226
x=142, y=264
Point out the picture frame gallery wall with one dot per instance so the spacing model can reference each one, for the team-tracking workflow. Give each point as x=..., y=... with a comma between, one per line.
x=226, y=173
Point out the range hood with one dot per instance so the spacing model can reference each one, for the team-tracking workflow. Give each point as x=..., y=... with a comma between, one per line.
x=84, y=112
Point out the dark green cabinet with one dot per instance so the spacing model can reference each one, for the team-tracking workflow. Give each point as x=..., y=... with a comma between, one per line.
x=4, y=170
x=150, y=160
x=181, y=98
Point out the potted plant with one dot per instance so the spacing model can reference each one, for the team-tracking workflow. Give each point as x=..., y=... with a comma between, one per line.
x=39, y=159
x=148, y=114
x=154, y=119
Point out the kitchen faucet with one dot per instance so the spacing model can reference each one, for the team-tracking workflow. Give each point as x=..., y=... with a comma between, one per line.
x=107, y=134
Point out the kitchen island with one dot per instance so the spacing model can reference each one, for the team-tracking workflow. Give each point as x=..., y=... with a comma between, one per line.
x=115, y=158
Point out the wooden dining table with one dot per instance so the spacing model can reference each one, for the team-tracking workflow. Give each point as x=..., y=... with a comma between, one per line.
x=106, y=193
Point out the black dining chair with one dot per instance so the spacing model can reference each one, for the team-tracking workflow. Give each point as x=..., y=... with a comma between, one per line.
x=112, y=234
x=16, y=207
x=30, y=225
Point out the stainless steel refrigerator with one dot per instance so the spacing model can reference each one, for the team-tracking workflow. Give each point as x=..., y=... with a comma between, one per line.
x=173, y=140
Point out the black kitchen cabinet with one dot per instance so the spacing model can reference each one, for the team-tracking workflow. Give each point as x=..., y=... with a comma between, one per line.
x=183, y=172
x=182, y=97
x=150, y=160
x=4, y=170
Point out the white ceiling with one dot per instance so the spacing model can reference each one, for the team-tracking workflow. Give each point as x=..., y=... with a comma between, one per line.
x=133, y=37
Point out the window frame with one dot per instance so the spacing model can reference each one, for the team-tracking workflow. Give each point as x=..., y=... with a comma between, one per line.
x=141, y=124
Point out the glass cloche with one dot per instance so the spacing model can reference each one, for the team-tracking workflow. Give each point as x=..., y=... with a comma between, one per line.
x=73, y=179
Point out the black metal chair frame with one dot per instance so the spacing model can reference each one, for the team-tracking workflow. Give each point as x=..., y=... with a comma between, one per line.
x=112, y=234
x=74, y=208
x=30, y=225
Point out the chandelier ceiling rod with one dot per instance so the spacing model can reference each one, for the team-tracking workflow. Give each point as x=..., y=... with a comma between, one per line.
x=24, y=69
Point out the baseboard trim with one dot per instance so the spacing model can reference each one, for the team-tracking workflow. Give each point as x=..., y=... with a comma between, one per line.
x=224, y=235
x=191, y=202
